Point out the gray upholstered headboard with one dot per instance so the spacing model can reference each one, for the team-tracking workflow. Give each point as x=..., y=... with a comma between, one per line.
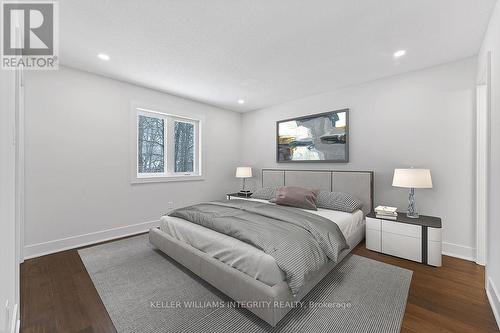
x=357, y=183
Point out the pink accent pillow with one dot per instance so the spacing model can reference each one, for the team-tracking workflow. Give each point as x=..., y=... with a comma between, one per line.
x=296, y=197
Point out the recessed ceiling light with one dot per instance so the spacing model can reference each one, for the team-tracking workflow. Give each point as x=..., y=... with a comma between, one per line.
x=399, y=53
x=241, y=101
x=103, y=56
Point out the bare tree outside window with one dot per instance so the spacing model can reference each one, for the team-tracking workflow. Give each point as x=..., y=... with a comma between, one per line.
x=151, y=150
x=167, y=147
x=184, y=146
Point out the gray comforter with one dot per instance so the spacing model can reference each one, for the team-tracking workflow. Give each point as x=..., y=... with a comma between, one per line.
x=299, y=241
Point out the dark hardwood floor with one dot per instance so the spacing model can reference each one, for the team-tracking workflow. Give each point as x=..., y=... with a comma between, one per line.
x=450, y=298
x=57, y=295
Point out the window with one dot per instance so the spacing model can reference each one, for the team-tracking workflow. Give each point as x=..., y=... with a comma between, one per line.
x=151, y=148
x=184, y=146
x=168, y=147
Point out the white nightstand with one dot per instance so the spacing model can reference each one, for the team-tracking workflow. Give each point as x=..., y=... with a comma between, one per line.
x=413, y=239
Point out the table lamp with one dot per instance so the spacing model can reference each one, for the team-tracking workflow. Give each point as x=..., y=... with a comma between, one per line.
x=244, y=172
x=412, y=179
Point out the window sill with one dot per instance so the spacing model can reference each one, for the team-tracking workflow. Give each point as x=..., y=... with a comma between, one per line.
x=143, y=180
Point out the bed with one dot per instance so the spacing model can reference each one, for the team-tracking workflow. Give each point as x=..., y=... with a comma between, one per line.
x=247, y=274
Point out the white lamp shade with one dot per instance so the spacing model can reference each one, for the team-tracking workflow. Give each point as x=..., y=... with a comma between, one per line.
x=243, y=172
x=412, y=178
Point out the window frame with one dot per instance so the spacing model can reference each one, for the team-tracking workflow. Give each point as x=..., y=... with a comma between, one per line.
x=169, y=146
x=165, y=147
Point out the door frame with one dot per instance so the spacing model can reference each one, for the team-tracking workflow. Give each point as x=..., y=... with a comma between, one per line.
x=483, y=109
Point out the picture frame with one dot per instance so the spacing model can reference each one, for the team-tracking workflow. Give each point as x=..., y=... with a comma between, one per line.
x=316, y=138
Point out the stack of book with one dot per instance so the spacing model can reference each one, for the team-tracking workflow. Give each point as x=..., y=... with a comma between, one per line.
x=386, y=212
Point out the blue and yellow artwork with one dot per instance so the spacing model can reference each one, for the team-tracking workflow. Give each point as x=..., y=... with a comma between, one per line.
x=315, y=138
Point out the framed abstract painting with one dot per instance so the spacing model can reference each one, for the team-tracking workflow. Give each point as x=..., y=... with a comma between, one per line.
x=322, y=137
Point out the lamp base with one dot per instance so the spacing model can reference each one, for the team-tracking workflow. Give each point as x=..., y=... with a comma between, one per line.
x=243, y=190
x=412, y=207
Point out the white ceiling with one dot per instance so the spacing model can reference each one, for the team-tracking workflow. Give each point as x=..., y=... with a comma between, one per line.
x=265, y=51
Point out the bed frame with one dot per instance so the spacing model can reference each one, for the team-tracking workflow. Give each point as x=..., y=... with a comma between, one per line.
x=240, y=286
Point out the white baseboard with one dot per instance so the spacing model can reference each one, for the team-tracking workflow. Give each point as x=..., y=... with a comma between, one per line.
x=459, y=251
x=41, y=249
x=14, y=325
x=10, y=318
x=494, y=298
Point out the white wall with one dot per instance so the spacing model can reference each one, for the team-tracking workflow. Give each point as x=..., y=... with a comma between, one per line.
x=491, y=44
x=422, y=119
x=77, y=157
x=8, y=254
x=78, y=186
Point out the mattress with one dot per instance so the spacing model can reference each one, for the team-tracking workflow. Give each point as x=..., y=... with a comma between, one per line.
x=240, y=255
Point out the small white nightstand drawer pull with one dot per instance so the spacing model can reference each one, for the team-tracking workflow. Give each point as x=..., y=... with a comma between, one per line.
x=402, y=229
x=373, y=224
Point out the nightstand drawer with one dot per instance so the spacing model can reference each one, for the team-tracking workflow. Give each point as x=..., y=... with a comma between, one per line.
x=402, y=246
x=434, y=234
x=373, y=224
x=434, y=250
x=405, y=229
x=374, y=240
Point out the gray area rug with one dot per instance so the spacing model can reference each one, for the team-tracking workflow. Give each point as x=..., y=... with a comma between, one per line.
x=146, y=291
